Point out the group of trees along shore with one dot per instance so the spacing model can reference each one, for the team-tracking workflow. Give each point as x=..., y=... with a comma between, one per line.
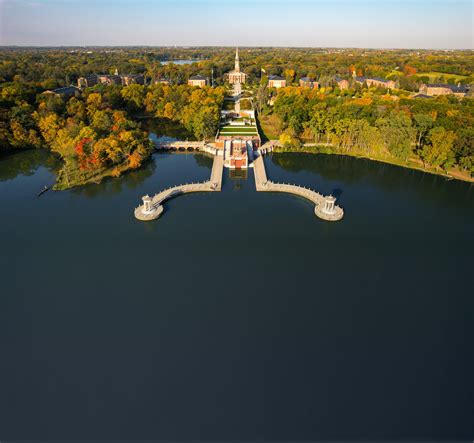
x=93, y=135
x=99, y=131
x=376, y=124
x=96, y=131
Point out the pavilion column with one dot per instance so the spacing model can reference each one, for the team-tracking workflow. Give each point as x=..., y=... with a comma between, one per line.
x=329, y=203
x=147, y=203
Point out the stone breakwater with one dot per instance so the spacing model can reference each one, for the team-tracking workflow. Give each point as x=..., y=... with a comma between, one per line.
x=152, y=207
x=325, y=207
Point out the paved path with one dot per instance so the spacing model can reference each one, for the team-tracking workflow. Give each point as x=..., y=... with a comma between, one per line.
x=214, y=184
x=262, y=184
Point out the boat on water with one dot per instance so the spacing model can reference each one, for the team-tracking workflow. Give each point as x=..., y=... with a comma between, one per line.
x=46, y=188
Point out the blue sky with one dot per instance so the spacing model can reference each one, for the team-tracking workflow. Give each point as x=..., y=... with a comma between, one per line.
x=335, y=23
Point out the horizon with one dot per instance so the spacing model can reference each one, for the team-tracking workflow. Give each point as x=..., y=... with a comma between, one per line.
x=366, y=48
x=340, y=24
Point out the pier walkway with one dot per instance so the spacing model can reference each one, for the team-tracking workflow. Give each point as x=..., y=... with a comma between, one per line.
x=152, y=207
x=325, y=206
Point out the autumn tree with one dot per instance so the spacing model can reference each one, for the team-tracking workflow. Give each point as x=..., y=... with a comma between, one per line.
x=438, y=152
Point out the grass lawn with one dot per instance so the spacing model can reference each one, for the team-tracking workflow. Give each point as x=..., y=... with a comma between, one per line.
x=238, y=130
x=434, y=75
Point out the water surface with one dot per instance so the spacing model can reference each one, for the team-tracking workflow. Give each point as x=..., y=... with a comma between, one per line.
x=181, y=62
x=237, y=315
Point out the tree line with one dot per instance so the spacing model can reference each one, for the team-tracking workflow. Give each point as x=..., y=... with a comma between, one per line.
x=97, y=132
x=438, y=131
x=50, y=68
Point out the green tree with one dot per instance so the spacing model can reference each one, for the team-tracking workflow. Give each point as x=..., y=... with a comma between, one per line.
x=439, y=151
x=318, y=124
x=134, y=96
x=423, y=123
x=101, y=121
x=397, y=133
x=205, y=123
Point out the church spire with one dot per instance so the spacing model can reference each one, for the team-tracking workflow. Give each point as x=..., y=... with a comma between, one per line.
x=237, y=62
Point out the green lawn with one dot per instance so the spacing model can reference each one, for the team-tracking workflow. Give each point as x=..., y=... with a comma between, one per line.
x=238, y=129
x=433, y=76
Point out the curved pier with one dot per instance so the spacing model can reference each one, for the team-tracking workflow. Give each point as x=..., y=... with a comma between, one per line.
x=325, y=207
x=152, y=207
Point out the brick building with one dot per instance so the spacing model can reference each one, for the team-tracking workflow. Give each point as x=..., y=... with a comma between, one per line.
x=342, y=83
x=88, y=81
x=308, y=82
x=198, y=80
x=443, y=89
x=375, y=82
x=106, y=79
x=275, y=81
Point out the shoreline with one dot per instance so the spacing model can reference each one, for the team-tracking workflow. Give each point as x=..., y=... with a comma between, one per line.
x=412, y=164
x=97, y=178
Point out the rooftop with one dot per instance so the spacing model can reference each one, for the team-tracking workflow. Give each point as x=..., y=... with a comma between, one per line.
x=198, y=77
x=422, y=96
x=66, y=90
x=453, y=88
x=377, y=79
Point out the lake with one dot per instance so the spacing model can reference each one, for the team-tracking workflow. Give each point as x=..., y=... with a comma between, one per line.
x=237, y=315
x=181, y=62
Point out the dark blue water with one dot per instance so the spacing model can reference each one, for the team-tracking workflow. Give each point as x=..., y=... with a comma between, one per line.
x=236, y=315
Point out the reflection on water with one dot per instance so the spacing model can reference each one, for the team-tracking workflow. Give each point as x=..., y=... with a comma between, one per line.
x=238, y=174
x=204, y=160
x=26, y=163
x=130, y=180
x=350, y=170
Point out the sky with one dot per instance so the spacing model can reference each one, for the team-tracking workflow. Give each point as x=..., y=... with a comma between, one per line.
x=420, y=24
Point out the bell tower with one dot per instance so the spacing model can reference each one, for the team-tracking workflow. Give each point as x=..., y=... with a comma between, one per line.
x=237, y=61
